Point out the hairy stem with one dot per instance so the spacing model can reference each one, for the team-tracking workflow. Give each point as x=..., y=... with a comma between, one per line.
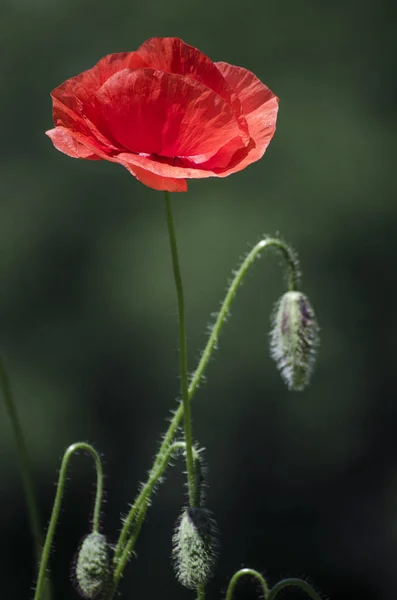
x=57, y=507
x=231, y=292
x=293, y=278
x=156, y=470
x=201, y=592
x=244, y=573
x=291, y=582
x=137, y=515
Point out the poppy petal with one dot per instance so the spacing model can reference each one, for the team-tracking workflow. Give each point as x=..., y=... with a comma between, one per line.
x=69, y=144
x=66, y=117
x=164, y=114
x=157, y=182
x=77, y=93
x=168, y=168
x=172, y=55
x=260, y=107
x=77, y=146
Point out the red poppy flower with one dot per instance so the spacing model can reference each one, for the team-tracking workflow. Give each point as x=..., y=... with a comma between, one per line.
x=165, y=112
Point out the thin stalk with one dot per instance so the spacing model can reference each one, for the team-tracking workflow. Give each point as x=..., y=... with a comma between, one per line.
x=137, y=515
x=57, y=507
x=293, y=278
x=292, y=582
x=165, y=447
x=227, y=302
x=244, y=573
x=201, y=592
x=24, y=463
x=182, y=350
x=138, y=510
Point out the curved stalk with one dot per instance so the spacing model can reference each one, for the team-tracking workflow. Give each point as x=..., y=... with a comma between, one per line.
x=57, y=507
x=165, y=448
x=137, y=515
x=244, y=573
x=292, y=582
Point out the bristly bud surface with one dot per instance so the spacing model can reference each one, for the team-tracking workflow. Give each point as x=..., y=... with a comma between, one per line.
x=92, y=566
x=194, y=545
x=294, y=339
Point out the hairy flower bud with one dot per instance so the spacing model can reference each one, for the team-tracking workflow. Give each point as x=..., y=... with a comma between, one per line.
x=293, y=339
x=194, y=547
x=92, y=566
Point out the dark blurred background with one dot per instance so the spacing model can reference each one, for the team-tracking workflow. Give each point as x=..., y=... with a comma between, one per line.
x=302, y=484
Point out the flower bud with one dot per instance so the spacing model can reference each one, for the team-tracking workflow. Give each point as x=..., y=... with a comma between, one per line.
x=293, y=339
x=194, y=547
x=92, y=566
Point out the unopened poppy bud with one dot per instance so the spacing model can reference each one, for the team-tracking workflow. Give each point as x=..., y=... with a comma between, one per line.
x=194, y=547
x=92, y=566
x=293, y=339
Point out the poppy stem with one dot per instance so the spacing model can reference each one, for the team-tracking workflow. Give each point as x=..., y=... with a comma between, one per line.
x=293, y=279
x=41, y=578
x=24, y=465
x=137, y=514
x=292, y=582
x=201, y=592
x=138, y=511
x=244, y=573
x=191, y=478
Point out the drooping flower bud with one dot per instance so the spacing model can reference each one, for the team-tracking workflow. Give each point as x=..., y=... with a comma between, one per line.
x=293, y=339
x=92, y=566
x=194, y=547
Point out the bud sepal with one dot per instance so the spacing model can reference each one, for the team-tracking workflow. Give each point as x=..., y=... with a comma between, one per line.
x=294, y=339
x=194, y=547
x=92, y=570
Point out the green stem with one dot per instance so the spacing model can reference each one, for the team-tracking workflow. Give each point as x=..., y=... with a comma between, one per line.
x=24, y=464
x=137, y=515
x=182, y=352
x=201, y=592
x=293, y=277
x=243, y=573
x=291, y=582
x=227, y=302
x=57, y=506
x=141, y=503
x=221, y=318
x=165, y=448
x=198, y=485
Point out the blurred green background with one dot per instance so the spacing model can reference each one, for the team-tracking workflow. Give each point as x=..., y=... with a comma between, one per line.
x=301, y=484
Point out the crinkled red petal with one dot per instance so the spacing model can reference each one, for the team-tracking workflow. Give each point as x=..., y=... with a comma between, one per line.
x=164, y=114
x=157, y=182
x=77, y=145
x=172, y=55
x=66, y=117
x=69, y=143
x=78, y=92
x=260, y=107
